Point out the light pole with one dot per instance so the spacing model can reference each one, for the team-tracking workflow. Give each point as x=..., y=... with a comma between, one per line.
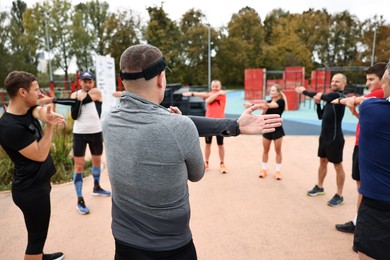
x=209, y=57
x=48, y=45
x=373, y=48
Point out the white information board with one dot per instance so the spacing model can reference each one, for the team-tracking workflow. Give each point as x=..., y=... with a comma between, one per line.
x=106, y=81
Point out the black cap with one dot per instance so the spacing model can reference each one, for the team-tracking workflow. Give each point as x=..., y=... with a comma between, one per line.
x=87, y=75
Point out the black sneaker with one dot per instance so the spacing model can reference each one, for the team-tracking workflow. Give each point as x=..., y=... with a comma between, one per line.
x=348, y=227
x=81, y=208
x=316, y=191
x=336, y=201
x=54, y=256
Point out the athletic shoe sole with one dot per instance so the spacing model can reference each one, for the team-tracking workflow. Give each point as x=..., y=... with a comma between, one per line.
x=81, y=212
x=316, y=194
x=335, y=205
x=101, y=194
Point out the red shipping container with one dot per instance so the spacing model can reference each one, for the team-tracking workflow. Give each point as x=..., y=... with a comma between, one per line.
x=254, y=83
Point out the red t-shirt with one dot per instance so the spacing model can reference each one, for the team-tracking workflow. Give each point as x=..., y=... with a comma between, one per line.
x=216, y=109
x=378, y=93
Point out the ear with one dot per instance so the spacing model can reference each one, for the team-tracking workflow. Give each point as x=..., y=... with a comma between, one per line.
x=160, y=78
x=22, y=92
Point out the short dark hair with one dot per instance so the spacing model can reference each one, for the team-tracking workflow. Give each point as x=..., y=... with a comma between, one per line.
x=16, y=80
x=377, y=69
x=138, y=57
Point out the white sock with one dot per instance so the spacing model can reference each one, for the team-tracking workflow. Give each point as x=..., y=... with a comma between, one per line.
x=278, y=167
x=355, y=219
x=264, y=165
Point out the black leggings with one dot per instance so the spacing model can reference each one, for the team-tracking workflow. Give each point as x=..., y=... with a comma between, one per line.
x=35, y=205
x=124, y=252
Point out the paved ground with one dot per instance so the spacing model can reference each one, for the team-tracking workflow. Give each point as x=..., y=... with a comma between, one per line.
x=234, y=216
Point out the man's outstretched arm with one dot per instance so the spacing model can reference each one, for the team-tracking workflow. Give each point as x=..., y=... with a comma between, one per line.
x=247, y=123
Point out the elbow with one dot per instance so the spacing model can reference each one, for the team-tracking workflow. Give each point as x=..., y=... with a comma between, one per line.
x=197, y=177
x=40, y=158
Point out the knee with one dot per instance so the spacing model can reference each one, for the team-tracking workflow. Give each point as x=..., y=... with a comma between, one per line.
x=323, y=161
x=338, y=167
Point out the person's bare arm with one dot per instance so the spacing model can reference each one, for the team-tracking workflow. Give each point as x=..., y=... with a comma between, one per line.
x=300, y=89
x=213, y=96
x=203, y=95
x=96, y=94
x=250, y=124
x=349, y=101
x=46, y=115
x=39, y=150
x=117, y=94
x=260, y=102
x=44, y=100
x=354, y=111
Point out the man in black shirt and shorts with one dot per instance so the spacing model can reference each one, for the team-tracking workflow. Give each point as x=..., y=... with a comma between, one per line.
x=331, y=142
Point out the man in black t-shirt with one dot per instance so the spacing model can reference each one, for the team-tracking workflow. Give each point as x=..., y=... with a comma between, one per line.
x=22, y=138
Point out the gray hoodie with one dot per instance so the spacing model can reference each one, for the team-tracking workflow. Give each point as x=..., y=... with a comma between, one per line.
x=151, y=154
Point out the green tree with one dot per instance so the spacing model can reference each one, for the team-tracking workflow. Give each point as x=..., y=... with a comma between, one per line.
x=195, y=47
x=313, y=30
x=345, y=32
x=59, y=22
x=164, y=33
x=285, y=47
x=375, y=26
x=84, y=37
x=272, y=20
x=5, y=64
x=123, y=29
x=98, y=14
x=23, y=51
x=242, y=48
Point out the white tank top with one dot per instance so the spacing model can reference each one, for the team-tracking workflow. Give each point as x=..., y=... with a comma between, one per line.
x=88, y=121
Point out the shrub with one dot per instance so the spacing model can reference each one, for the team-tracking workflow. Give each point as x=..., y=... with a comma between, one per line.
x=6, y=170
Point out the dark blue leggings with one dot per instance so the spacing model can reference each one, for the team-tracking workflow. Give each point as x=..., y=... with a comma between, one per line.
x=35, y=205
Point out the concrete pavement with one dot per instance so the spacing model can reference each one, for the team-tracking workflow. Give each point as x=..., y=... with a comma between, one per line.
x=234, y=215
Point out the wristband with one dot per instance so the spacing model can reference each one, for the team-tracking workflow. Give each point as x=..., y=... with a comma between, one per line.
x=54, y=100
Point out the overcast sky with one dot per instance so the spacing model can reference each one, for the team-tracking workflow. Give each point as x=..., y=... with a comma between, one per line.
x=219, y=12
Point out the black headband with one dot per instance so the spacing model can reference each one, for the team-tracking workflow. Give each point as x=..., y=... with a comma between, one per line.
x=148, y=73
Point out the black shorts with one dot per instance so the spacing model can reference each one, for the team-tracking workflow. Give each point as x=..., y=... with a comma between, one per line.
x=279, y=132
x=125, y=252
x=331, y=149
x=94, y=141
x=210, y=138
x=372, y=233
x=355, y=164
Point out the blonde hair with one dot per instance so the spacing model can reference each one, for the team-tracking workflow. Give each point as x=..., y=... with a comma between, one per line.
x=280, y=90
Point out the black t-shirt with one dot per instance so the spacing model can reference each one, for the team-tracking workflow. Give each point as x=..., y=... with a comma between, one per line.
x=278, y=110
x=16, y=133
x=331, y=115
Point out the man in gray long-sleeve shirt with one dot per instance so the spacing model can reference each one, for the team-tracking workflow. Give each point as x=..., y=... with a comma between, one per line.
x=151, y=154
